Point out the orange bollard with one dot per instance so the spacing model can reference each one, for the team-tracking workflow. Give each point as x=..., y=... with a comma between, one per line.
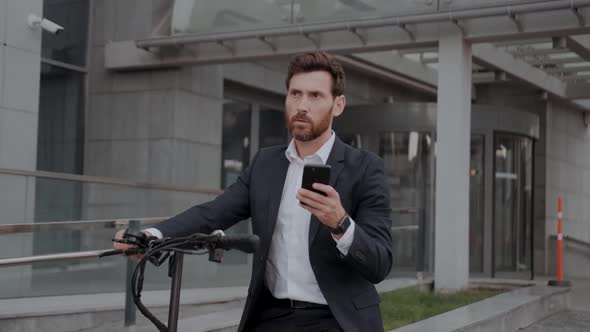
x=559, y=281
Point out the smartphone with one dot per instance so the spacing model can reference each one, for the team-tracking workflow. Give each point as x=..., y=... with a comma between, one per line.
x=315, y=173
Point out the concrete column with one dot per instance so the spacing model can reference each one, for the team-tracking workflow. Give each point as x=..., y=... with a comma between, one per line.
x=451, y=263
x=20, y=63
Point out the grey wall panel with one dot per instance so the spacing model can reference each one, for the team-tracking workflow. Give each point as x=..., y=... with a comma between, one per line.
x=2, y=22
x=17, y=33
x=21, y=79
x=18, y=139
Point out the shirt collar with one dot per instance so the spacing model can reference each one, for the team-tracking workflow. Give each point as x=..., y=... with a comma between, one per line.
x=323, y=153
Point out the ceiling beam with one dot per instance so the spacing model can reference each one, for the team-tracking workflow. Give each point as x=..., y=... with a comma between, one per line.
x=490, y=56
x=580, y=45
x=568, y=70
x=577, y=78
x=578, y=90
x=401, y=65
x=556, y=61
x=381, y=71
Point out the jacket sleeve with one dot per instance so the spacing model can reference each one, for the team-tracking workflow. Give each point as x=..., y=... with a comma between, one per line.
x=232, y=206
x=370, y=252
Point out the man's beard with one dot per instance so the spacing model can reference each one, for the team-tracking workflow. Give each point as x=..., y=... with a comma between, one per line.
x=309, y=132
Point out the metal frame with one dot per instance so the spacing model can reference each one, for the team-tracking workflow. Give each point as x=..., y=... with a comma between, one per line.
x=377, y=35
x=407, y=33
x=73, y=225
x=66, y=225
x=533, y=139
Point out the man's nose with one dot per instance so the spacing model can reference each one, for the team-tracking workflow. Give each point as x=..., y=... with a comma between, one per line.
x=303, y=104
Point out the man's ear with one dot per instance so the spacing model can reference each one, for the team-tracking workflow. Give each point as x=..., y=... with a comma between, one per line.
x=339, y=105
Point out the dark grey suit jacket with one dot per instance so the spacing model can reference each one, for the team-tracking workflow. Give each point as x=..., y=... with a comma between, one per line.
x=347, y=282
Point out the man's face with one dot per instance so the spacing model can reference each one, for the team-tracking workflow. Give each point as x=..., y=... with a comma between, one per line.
x=310, y=106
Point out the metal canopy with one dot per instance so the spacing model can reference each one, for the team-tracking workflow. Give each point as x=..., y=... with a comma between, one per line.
x=546, y=40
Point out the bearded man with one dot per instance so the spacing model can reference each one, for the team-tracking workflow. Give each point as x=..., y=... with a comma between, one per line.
x=319, y=255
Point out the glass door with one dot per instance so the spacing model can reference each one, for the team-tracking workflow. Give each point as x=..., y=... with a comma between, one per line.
x=513, y=176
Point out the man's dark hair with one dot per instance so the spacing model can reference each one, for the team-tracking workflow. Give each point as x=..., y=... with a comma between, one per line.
x=315, y=61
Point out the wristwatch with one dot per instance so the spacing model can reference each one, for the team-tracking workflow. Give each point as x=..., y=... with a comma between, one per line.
x=342, y=225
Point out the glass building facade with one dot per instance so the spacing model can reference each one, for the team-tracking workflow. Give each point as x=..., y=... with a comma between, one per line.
x=502, y=222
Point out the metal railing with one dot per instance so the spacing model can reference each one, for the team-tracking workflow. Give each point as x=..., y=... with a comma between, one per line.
x=107, y=181
x=571, y=241
x=93, y=225
x=67, y=225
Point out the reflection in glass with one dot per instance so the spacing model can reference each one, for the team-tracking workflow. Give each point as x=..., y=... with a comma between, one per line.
x=513, y=205
x=84, y=276
x=408, y=158
x=60, y=140
x=69, y=45
x=236, y=140
x=476, y=204
x=60, y=146
x=236, y=157
x=272, y=128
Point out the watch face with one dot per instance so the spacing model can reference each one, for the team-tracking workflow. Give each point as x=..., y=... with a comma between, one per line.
x=342, y=226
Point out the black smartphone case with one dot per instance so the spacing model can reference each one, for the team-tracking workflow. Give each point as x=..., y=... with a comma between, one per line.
x=315, y=173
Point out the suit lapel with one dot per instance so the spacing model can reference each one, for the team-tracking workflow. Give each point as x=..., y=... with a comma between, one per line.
x=276, y=180
x=336, y=161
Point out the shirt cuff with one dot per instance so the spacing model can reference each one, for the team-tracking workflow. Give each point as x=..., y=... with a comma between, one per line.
x=343, y=244
x=155, y=232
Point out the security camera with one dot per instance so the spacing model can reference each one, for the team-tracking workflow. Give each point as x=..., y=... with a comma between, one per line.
x=36, y=22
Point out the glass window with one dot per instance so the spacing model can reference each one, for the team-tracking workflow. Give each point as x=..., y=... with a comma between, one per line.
x=272, y=128
x=69, y=46
x=236, y=140
x=476, y=204
x=60, y=141
x=409, y=159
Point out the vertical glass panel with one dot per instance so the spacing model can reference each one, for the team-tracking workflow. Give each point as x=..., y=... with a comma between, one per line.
x=476, y=204
x=272, y=128
x=69, y=45
x=408, y=158
x=92, y=275
x=235, y=157
x=236, y=140
x=60, y=140
x=202, y=16
x=513, y=206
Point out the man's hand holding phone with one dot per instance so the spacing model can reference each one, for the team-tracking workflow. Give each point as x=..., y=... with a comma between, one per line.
x=324, y=201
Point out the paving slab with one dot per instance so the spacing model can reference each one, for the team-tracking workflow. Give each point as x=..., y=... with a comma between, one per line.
x=567, y=321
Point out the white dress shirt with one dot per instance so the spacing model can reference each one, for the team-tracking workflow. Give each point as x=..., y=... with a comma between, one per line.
x=288, y=268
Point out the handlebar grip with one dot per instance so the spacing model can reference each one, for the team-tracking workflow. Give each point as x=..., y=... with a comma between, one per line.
x=110, y=253
x=245, y=243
